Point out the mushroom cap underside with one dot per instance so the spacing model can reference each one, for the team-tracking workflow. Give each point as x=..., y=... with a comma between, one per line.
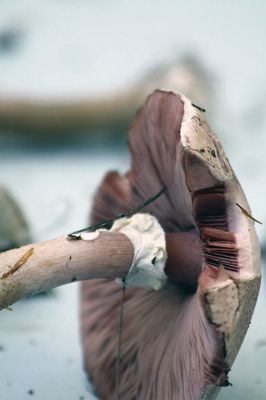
x=179, y=342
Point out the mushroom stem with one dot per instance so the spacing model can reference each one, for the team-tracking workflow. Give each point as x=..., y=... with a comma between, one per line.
x=42, y=266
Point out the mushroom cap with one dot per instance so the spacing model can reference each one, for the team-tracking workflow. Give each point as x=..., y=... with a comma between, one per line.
x=181, y=341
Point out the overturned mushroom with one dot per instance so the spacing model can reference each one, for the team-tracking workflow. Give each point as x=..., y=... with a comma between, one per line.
x=180, y=342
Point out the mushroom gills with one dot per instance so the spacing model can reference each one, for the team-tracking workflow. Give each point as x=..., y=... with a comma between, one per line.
x=180, y=342
x=219, y=244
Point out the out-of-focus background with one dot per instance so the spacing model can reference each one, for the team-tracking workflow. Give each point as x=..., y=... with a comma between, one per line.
x=72, y=74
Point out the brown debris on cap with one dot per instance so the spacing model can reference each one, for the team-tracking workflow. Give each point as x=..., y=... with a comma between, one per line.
x=180, y=342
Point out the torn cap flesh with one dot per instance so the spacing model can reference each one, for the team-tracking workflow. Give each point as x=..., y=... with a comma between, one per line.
x=179, y=342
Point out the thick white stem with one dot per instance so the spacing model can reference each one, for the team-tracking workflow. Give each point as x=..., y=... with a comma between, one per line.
x=42, y=266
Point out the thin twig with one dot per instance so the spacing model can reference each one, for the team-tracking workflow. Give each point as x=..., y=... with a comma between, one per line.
x=198, y=107
x=120, y=331
x=247, y=214
x=108, y=223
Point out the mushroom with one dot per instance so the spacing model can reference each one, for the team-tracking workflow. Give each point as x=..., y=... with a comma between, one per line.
x=109, y=113
x=178, y=342
x=14, y=229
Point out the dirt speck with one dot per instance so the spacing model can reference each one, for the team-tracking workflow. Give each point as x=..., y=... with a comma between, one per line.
x=21, y=261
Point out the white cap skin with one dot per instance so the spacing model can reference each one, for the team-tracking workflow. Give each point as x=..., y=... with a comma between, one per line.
x=231, y=298
x=197, y=138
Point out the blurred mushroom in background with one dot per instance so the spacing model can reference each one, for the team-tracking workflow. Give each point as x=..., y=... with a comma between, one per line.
x=185, y=74
x=111, y=113
x=14, y=230
x=9, y=40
